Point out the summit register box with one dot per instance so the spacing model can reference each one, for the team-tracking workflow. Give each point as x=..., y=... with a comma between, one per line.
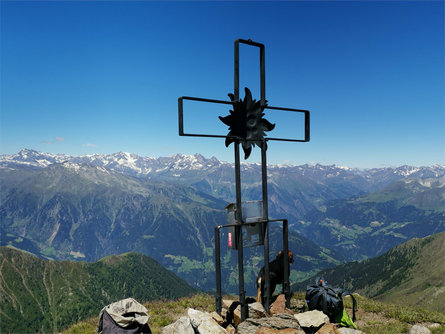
x=252, y=234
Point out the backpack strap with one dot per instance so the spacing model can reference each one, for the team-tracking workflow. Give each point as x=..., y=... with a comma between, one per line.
x=342, y=293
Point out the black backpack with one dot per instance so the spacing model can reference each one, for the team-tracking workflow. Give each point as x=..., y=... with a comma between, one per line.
x=126, y=316
x=323, y=297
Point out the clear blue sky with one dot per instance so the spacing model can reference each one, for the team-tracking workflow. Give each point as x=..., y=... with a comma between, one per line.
x=101, y=77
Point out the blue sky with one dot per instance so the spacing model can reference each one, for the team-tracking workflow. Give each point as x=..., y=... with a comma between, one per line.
x=81, y=77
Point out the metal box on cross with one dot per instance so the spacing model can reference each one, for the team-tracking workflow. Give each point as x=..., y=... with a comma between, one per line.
x=252, y=234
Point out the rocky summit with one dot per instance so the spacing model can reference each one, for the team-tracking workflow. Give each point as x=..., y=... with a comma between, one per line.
x=281, y=320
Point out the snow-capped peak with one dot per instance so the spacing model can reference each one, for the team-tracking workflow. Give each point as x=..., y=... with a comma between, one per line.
x=133, y=164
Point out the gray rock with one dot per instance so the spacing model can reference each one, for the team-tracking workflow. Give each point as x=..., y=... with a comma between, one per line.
x=417, y=329
x=312, y=319
x=256, y=310
x=182, y=325
x=279, y=306
x=226, y=303
x=196, y=317
x=215, y=316
x=344, y=330
x=237, y=315
x=210, y=327
x=280, y=321
x=203, y=323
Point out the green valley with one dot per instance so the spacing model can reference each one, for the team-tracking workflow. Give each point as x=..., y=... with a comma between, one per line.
x=48, y=296
x=410, y=274
x=369, y=225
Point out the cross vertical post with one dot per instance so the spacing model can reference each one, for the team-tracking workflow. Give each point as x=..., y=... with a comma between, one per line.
x=265, y=226
x=265, y=214
x=239, y=233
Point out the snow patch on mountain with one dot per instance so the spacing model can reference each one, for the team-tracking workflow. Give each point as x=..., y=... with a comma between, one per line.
x=70, y=165
x=178, y=164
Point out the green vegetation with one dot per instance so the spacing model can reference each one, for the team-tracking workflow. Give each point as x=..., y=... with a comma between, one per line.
x=47, y=296
x=373, y=317
x=392, y=318
x=367, y=226
x=410, y=274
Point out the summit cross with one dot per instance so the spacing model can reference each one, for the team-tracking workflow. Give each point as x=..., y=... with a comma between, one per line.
x=247, y=127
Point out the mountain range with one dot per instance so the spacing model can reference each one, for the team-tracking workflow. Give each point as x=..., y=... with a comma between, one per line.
x=87, y=207
x=70, y=211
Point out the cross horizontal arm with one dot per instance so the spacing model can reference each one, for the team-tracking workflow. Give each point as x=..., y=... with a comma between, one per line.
x=307, y=124
x=181, y=120
x=181, y=115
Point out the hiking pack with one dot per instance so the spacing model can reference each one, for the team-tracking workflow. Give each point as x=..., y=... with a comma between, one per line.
x=124, y=317
x=329, y=300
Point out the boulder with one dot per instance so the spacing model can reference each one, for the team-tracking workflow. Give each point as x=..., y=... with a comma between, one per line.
x=279, y=306
x=203, y=323
x=197, y=317
x=277, y=322
x=237, y=315
x=256, y=310
x=417, y=329
x=227, y=303
x=182, y=325
x=210, y=327
x=312, y=319
x=215, y=316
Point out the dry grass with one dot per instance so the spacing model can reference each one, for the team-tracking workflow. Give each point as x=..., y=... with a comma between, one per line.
x=373, y=317
x=162, y=313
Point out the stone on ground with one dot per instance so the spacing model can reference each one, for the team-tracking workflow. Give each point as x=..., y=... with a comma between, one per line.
x=279, y=306
x=182, y=325
x=277, y=322
x=312, y=319
x=417, y=329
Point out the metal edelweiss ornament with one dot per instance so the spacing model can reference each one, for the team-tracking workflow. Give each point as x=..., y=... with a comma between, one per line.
x=246, y=123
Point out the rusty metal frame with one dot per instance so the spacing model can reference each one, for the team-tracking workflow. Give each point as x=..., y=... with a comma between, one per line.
x=183, y=133
x=286, y=284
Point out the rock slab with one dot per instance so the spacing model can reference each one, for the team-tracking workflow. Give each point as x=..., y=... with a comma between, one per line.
x=312, y=319
x=182, y=325
x=203, y=323
x=279, y=306
x=278, y=323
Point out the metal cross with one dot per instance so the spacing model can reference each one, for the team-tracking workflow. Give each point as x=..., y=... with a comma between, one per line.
x=247, y=128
